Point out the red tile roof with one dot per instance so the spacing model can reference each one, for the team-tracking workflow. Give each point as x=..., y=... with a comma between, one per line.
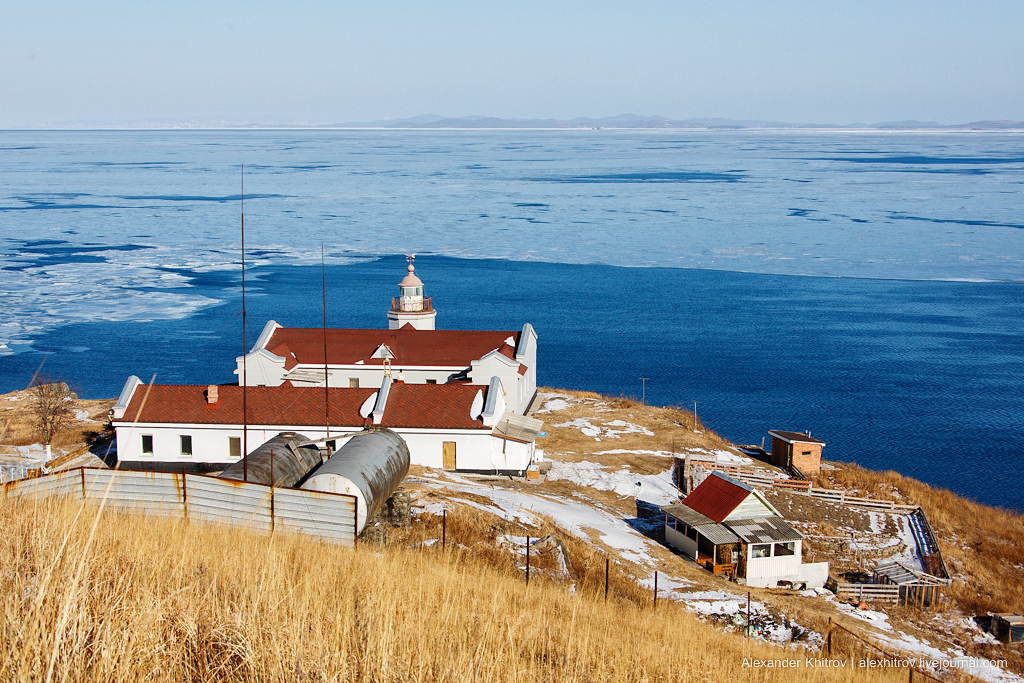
x=717, y=496
x=430, y=406
x=451, y=348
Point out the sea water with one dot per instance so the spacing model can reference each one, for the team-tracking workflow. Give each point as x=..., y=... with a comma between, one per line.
x=863, y=286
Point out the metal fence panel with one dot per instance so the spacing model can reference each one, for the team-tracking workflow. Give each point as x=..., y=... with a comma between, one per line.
x=154, y=493
x=326, y=516
x=61, y=484
x=227, y=502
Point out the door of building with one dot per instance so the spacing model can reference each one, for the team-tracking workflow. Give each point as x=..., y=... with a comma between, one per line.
x=449, y=455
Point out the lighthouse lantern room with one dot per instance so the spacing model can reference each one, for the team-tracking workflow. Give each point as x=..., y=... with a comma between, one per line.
x=411, y=307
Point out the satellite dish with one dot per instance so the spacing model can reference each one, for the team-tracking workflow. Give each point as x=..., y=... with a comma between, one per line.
x=368, y=404
x=478, y=405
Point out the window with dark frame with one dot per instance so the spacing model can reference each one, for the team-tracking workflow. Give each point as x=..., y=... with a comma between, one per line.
x=235, y=446
x=785, y=549
x=147, y=444
x=186, y=444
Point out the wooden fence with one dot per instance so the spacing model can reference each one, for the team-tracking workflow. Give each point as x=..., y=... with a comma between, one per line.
x=868, y=592
x=764, y=480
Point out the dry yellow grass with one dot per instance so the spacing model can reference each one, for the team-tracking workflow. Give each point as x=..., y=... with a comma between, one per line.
x=123, y=598
x=673, y=428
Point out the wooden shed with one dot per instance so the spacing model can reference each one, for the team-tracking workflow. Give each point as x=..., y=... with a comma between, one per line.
x=1008, y=628
x=795, y=449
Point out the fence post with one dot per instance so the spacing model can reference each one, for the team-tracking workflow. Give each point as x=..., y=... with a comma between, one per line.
x=655, y=590
x=527, y=560
x=81, y=470
x=444, y=528
x=607, y=563
x=184, y=495
x=748, y=615
x=828, y=641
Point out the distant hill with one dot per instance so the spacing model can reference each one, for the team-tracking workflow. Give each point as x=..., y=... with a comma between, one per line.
x=635, y=121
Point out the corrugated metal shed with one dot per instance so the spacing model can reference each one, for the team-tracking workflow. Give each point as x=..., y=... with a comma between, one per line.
x=764, y=530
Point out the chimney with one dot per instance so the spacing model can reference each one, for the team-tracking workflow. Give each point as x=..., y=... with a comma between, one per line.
x=211, y=393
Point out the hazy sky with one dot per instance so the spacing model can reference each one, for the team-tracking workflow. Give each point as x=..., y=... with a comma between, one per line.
x=109, y=63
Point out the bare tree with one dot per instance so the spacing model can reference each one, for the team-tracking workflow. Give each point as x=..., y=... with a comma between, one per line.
x=53, y=404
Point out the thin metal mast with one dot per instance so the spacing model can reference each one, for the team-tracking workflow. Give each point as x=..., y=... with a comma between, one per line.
x=327, y=395
x=245, y=349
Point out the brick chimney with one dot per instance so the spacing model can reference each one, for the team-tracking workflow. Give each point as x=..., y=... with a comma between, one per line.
x=211, y=393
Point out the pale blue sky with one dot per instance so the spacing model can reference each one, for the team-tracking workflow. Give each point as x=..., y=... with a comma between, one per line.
x=109, y=63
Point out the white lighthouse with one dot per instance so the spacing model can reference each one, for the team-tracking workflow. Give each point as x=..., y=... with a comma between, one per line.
x=411, y=306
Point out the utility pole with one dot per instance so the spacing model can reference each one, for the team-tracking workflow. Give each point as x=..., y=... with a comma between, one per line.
x=643, y=400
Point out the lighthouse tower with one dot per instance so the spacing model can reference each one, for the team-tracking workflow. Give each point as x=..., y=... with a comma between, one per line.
x=411, y=306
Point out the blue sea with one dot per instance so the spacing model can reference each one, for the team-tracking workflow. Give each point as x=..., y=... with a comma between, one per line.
x=865, y=286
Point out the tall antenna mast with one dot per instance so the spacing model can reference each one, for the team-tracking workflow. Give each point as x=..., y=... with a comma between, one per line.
x=245, y=350
x=327, y=394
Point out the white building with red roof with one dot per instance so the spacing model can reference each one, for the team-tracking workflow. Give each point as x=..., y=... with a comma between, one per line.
x=457, y=397
x=460, y=427
x=411, y=348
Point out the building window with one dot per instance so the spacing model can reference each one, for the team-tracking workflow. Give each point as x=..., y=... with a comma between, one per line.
x=806, y=453
x=332, y=446
x=186, y=444
x=353, y=382
x=785, y=549
x=431, y=381
x=147, y=444
x=235, y=446
x=760, y=550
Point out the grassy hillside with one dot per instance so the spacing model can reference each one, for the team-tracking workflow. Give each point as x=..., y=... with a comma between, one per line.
x=119, y=598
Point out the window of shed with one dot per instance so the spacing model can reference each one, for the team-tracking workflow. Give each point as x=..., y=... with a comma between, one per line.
x=431, y=381
x=761, y=550
x=186, y=444
x=353, y=382
x=806, y=453
x=235, y=446
x=785, y=549
x=147, y=444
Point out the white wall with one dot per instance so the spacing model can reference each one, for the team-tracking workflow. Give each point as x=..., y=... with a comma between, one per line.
x=815, y=574
x=766, y=572
x=260, y=369
x=475, y=449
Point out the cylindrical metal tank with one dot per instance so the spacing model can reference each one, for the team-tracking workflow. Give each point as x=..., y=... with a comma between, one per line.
x=290, y=461
x=370, y=467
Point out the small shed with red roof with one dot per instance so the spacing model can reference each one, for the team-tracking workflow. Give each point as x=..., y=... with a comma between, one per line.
x=729, y=528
